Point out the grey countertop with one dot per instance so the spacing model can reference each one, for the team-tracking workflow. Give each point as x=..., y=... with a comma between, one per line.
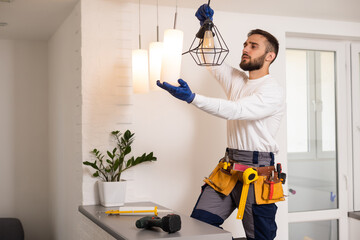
x=355, y=215
x=123, y=227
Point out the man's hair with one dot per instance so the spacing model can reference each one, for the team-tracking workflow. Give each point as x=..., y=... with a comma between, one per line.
x=273, y=44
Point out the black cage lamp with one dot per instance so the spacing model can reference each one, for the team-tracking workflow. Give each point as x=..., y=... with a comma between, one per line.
x=210, y=49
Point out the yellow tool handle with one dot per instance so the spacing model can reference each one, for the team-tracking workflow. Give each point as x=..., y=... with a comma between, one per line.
x=244, y=194
x=155, y=211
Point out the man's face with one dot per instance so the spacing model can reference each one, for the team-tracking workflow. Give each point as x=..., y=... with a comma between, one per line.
x=254, y=53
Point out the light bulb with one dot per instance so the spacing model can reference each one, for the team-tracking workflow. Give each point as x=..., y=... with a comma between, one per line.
x=208, y=41
x=208, y=47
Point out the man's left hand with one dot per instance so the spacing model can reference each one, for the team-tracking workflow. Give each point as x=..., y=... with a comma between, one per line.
x=181, y=92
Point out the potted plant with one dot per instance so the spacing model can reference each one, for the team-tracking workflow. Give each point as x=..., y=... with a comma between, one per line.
x=109, y=168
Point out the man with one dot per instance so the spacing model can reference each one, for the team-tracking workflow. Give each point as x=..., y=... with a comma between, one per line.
x=253, y=111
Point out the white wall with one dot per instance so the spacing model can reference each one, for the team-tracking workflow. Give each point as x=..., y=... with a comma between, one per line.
x=64, y=127
x=187, y=142
x=23, y=139
x=354, y=228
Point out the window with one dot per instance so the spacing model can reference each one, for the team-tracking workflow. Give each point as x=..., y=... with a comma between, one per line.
x=311, y=104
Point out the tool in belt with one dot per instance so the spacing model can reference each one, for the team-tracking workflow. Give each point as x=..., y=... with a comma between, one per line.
x=267, y=182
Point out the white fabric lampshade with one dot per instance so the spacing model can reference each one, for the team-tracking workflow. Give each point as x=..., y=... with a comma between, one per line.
x=155, y=59
x=172, y=53
x=140, y=71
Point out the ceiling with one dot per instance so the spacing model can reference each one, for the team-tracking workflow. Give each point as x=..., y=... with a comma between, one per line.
x=38, y=19
x=33, y=19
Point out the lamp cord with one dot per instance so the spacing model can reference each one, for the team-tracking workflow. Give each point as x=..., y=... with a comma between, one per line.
x=157, y=20
x=139, y=27
x=175, y=15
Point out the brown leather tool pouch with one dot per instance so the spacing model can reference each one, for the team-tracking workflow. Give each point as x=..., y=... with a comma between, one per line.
x=221, y=180
x=268, y=190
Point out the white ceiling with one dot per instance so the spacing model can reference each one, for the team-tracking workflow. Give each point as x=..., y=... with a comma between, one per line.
x=343, y=10
x=33, y=19
x=38, y=19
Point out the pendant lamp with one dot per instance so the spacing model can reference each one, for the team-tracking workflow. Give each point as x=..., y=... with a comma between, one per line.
x=172, y=53
x=155, y=59
x=140, y=68
x=208, y=47
x=155, y=56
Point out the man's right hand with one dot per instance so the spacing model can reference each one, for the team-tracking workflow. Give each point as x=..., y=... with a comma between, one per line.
x=204, y=12
x=181, y=92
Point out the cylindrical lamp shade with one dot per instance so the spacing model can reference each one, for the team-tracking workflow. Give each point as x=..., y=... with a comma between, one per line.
x=172, y=53
x=155, y=58
x=140, y=71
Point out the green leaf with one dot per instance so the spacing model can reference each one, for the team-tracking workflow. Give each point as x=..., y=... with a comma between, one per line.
x=93, y=165
x=151, y=157
x=115, y=132
x=96, y=174
x=127, y=135
x=132, y=159
x=109, y=154
x=129, y=163
x=109, y=161
x=127, y=150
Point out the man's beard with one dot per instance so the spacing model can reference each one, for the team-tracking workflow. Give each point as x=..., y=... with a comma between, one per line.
x=255, y=64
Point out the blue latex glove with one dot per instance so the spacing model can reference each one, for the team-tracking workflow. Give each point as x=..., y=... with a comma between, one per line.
x=204, y=12
x=181, y=92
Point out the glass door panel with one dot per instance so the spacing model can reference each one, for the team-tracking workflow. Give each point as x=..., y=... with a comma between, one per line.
x=311, y=115
x=317, y=230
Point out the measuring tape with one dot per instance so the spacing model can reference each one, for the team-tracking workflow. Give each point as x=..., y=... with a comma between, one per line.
x=249, y=175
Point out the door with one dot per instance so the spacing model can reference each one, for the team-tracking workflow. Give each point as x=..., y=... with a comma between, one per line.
x=319, y=134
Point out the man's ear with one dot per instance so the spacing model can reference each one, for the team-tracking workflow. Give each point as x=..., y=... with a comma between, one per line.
x=270, y=56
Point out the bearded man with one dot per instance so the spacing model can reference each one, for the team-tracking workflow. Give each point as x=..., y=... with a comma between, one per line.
x=253, y=110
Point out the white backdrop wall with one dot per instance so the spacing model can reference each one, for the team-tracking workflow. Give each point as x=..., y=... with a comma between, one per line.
x=187, y=142
x=23, y=139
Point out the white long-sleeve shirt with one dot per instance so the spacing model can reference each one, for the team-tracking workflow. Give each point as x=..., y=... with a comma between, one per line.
x=254, y=109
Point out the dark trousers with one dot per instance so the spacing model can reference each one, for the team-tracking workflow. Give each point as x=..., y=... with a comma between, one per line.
x=214, y=208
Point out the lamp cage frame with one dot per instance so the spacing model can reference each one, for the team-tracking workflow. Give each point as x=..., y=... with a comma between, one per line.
x=199, y=54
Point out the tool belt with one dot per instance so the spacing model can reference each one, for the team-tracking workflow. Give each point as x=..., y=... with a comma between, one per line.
x=268, y=187
x=221, y=180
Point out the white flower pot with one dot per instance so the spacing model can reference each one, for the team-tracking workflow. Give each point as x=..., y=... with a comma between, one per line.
x=112, y=193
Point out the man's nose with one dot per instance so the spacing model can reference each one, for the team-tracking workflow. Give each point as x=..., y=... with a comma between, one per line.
x=245, y=50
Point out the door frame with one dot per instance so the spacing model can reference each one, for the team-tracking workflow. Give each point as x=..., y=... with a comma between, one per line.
x=355, y=77
x=343, y=130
